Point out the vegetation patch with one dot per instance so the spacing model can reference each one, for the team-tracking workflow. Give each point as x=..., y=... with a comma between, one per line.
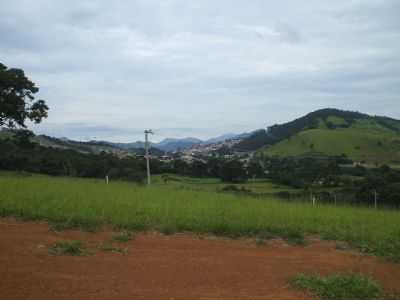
x=339, y=286
x=265, y=235
x=109, y=247
x=235, y=189
x=74, y=248
x=59, y=226
x=260, y=242
x=342, y=246
x=295, y=238
x=124, y=237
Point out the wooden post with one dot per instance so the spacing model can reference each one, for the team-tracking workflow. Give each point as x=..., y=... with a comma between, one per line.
x=375, y=199
x=106, y=179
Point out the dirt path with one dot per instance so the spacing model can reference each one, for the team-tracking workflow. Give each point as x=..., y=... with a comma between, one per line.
x=160, y=267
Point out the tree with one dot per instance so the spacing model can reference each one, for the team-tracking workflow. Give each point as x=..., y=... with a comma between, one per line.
x=17, y=101
x=23, y=138
x=255, y=169
x=233, y=171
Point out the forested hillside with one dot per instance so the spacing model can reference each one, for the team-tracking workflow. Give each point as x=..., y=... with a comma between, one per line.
x=331, y=132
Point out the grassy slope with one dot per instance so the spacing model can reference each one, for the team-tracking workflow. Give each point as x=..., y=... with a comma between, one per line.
x=168, y=208
x=364, y=140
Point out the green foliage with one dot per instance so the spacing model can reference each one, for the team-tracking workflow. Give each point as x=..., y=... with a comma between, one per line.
x=339, y=286
x=295, y=238
x=232, y=171
x=23, y=138
x=228, y=170
x=171, y=208
x=74, y=248
x=304, y=172
x=60, y=162
x=17, y=101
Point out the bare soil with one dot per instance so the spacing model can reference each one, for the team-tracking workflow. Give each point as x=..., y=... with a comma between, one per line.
x=181, y=266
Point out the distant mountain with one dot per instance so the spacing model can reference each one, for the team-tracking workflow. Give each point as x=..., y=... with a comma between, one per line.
x=331, y=132
x=175, y=144
x=171, y=145
x=95, y=147
x=83, y=147
x=166, y=145
x=127, y=146
x=220, y=138
x=185, y=143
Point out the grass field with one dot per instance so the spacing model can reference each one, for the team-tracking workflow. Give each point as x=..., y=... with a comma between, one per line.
x=257, y=186
x=170, y=208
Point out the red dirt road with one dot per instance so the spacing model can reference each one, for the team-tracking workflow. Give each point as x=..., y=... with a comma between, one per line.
x=160, y=267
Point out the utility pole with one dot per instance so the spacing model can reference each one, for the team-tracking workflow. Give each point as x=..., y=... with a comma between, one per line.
x=147, y=146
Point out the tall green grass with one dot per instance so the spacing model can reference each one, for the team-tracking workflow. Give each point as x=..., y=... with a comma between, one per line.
x=167, y=208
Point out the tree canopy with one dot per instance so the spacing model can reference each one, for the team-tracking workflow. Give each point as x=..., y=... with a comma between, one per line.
x=17, y=100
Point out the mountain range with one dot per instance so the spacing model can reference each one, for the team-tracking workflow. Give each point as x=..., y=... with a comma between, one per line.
x=175, y=144
x=166, y=145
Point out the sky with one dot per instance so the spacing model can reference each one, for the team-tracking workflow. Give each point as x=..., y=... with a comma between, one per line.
x=110, y=69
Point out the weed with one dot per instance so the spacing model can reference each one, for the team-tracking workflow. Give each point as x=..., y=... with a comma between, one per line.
x=109, y=247
x=168, y=230
x=61, y=226
x=339, y=286
x=261, y=242
x=342, y=246
x=58, y=226
x=265, y=235
x=123, y=237
x=74, y=248
x=295, y=238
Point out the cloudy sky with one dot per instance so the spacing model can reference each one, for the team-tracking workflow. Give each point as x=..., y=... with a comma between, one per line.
x=109, y=69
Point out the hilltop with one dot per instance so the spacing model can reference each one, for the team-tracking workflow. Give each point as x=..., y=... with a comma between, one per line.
x=362, y=137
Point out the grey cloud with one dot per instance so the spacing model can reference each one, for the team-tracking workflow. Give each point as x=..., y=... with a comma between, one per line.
x=201, y=67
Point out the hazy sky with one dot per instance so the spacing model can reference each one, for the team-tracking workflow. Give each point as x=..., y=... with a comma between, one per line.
x=109, y=69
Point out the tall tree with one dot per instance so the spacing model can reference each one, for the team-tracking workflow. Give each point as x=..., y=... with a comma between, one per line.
x=17, y=100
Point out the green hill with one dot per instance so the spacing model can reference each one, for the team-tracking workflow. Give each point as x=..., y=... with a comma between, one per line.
x=333, y=132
